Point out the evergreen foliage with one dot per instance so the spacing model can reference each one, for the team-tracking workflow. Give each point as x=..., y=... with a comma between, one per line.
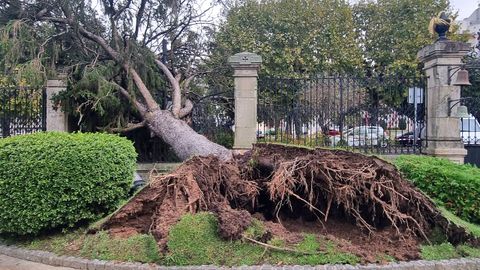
x=51, y=180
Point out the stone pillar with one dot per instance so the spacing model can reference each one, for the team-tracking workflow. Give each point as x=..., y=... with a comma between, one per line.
x=56, y=118
x=245, y=75
x=443, y=134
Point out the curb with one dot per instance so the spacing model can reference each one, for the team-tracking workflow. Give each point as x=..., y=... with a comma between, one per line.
x=51, y=259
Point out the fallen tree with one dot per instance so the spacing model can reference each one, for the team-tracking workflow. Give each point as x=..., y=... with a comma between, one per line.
x=117, y=48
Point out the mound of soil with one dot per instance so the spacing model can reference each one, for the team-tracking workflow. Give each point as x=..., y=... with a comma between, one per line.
x=361, y=203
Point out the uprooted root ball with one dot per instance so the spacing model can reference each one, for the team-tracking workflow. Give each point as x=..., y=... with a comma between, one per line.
x=285, y=183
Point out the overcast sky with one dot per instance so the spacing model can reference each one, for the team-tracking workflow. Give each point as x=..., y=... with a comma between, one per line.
x=464, y=7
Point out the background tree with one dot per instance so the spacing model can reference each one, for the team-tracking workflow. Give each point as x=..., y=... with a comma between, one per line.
x=295, y=38
x=390, y=33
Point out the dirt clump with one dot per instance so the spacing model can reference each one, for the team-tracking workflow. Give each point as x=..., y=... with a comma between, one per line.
x=200, y=184
x=359, y=202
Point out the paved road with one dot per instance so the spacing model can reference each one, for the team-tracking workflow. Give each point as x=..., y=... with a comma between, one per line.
x=10, y=263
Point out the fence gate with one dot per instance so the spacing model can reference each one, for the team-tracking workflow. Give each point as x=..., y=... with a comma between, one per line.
x=382, y=114
x=22, y=110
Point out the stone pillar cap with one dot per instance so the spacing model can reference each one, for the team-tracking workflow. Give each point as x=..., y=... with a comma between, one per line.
x=443, y=47
x=245, y=58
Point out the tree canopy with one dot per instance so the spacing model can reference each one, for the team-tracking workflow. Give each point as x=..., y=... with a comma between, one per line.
x=298, y=38
x=390, y=33
x=294, y=37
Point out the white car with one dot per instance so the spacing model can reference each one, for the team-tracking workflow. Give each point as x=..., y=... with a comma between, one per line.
x=469, y=130
x=362, y=136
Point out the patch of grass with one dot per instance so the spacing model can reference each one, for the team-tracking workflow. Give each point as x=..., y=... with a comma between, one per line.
x=447, y=251
x=309, y=244
x=469, y=227
x=327, y=253
x=468, y=251
x=256, y=230
x=277, y=242
x=136, y=248
x=65, y=243
x=194, y=241
x=443, y=251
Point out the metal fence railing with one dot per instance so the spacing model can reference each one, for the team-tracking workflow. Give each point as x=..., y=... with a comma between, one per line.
x=375, y=115
x=22, y=110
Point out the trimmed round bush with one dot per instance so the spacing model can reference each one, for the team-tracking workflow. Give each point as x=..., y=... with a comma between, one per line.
x=457, y=187
x=54, y=179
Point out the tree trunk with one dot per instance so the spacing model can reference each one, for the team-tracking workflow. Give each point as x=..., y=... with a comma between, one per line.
x=184, y=141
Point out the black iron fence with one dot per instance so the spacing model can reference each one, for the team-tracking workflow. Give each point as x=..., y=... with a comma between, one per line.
x=213, y=117
x=22, y=110
x=370, y=114
x=469, y=126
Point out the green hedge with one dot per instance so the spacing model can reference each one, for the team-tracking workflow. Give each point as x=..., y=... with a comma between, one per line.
x=54, y=179
x=455, y=186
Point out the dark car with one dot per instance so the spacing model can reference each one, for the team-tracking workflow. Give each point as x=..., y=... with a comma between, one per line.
x=407, y=139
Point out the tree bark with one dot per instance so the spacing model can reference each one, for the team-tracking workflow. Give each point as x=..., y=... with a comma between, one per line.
x=184, y=141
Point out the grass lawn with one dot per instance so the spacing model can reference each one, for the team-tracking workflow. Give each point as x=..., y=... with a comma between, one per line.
x=194, y=241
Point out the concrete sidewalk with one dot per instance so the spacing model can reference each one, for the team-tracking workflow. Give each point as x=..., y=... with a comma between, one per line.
x=10, y=263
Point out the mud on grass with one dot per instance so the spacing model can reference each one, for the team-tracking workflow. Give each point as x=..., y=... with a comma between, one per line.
x=359, y=203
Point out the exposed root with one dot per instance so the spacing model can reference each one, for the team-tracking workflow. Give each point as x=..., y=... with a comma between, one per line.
x=336, y=190
x=200, y=184
x=280, y=248
x=369, y=190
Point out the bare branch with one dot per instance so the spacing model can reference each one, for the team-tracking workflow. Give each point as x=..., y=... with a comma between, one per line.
x=122, y=9
x=186, y=83
x=41, y=13
x=138, y=22
x=140, y=107
x=186, y=110
x=176, y=90
x=42, y=46
x=129, y=127
x=152, y=105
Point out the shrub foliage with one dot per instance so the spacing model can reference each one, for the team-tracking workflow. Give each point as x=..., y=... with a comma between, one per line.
x=51, y=180
x=455, y=186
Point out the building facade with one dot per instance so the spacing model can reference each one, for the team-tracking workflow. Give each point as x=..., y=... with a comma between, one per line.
x=471, y=25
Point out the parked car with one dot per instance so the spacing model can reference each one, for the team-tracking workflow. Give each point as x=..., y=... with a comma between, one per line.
x=361, y=136
x=470, y=130
x=260, y=134
x=333, y=132
x=407, y=139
